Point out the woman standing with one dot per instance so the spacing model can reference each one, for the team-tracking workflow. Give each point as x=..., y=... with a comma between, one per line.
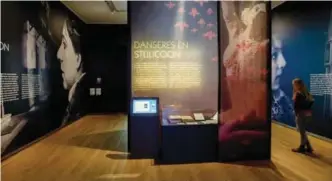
x=303, y=101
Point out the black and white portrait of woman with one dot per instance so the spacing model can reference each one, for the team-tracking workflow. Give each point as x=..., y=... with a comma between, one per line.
x=282, y=107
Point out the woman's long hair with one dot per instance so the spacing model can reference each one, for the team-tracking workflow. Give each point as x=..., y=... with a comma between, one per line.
x=303, y=89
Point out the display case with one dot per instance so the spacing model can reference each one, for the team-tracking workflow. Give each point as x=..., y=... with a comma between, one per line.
x=189, y=134
x=175, y=116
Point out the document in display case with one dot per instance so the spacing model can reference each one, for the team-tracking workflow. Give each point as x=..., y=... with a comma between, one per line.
x=199, y=117
x=174, y=119
x=187, y=119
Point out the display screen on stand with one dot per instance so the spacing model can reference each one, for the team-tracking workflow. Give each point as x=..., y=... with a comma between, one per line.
x=145, y=106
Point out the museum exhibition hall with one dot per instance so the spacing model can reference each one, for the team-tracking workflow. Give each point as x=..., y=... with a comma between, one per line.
x=119, y=90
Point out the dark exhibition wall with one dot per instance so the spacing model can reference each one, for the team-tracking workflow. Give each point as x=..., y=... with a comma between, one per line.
x=37, y=70
x=302, y=49
x=106, y=47
x=56, y=69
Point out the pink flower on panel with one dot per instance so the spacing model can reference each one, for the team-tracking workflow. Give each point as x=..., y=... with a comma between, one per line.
x=170, y=5
x=194, y=12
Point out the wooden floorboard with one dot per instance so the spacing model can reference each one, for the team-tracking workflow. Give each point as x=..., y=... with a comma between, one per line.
x=95, y=149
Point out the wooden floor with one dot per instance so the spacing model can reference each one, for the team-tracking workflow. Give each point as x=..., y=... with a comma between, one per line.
x=94, y=149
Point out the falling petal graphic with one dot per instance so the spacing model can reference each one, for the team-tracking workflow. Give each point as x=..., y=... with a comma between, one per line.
x=194, y=30
x=209, y=11
x=193, y=12
x=181, y=10
x=170, y=5
x=201, y=21
x=209, y=35
x=210, y=25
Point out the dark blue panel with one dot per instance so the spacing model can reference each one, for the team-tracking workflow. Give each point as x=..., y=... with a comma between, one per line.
x=144, y=136
x=189, y=144
x=303, y=35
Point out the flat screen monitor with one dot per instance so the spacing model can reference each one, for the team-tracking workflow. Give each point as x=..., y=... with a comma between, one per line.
x=145, y=106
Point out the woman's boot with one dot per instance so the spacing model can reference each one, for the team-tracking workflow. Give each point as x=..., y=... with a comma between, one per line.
x=300, y=149
x=308, y=147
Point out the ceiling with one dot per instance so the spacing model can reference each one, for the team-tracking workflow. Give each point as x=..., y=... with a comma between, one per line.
x=276, y=3
x=108, y=12
x=99, y=12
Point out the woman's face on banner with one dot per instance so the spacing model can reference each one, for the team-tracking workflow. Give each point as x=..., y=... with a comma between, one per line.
x=69, y=59
x=278, y=62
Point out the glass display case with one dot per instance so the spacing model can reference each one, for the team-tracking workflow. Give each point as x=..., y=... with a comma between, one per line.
x=175, y=115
